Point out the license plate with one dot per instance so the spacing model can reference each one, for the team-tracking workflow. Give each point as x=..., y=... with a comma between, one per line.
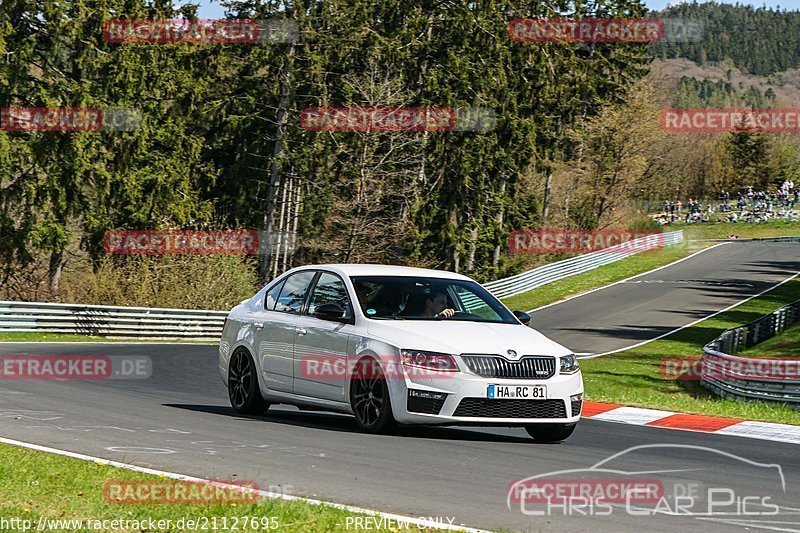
x=516, y=392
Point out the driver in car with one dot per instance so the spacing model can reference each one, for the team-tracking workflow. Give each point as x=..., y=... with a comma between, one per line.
x=436, y=306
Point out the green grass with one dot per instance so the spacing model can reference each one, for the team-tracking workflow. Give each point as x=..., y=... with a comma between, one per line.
x=67, y=337
x=633, y=377
x=783, y=346
x=723, y=230
x=36, y=484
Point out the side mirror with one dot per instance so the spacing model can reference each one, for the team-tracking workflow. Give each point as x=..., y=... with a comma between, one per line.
x=523, y=317
x=330, y=312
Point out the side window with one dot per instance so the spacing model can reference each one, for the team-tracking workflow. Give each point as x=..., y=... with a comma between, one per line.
x=272, y=296
x=293, y=292
x=330, y=289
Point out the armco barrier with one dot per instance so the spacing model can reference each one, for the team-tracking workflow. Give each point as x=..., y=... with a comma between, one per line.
x=105, y=320
x=762, y=379
x=156, y=323
x=503, y=288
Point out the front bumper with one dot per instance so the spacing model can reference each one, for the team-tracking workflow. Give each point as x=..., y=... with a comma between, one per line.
x=466, y=401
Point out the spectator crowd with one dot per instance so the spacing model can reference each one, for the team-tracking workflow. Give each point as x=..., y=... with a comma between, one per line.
x=747, y=206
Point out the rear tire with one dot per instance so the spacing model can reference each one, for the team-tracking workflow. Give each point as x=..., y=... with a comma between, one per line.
x=369, y=397
x=243, y=391
x=550, y=432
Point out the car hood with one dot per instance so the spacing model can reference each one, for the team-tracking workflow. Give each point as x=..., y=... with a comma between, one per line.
x=457, y=337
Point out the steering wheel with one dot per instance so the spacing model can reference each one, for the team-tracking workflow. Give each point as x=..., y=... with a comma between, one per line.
x=462, y=314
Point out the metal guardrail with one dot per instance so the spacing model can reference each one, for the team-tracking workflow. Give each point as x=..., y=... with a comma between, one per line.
x=503, y=288
x=106, y=320
x=788, y=238
x=727, y=375
x=161, y=323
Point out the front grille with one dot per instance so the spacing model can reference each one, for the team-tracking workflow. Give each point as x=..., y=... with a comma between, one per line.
x=528, y=367
x=576, y=407
x=484, y=407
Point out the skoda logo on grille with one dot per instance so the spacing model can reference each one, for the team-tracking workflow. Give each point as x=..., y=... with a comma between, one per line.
x=512, y=354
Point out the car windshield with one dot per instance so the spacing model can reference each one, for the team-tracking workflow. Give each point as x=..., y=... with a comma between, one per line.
x=415, y=298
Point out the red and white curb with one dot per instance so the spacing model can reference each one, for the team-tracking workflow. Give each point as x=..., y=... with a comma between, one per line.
x=637, y=416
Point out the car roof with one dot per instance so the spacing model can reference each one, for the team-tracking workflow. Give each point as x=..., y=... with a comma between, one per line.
x=384, y=270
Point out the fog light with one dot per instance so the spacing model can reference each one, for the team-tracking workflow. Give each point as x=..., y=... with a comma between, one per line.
x=576, y=402
x=429, y=395
x=425, y=402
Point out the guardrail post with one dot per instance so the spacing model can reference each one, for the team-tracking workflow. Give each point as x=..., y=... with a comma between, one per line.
x=781, y=320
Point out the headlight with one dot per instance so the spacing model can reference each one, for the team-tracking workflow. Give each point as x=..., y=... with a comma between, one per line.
x=569, y=364
x=430, y=360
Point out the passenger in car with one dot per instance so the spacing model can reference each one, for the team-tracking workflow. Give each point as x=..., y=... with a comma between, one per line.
x=370, y=308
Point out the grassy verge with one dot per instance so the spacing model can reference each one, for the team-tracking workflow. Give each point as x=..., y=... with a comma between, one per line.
x=35, y=484
x=67, y=337
x=784, y=346
x=633, y=377
x=723, y=230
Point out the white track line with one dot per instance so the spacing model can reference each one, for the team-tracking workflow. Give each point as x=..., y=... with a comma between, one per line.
x=628, y=279
x=712, y=315
x=419, y=522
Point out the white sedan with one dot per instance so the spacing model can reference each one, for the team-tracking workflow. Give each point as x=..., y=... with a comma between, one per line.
x=393, y=344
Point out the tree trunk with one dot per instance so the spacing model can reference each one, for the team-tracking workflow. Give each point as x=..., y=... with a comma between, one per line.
x=546, y=199
x=500, y=219
x=473, y=239
x=54, y=272
x=275, y=170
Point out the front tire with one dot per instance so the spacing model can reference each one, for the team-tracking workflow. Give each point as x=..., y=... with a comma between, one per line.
x=243, y=390
x=550, y=432
x=369, y=397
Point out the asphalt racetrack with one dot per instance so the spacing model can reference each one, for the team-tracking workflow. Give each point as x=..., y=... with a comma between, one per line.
x=180, y=420
x=653, y=304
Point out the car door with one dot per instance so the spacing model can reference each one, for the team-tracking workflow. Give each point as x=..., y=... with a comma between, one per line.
x=320, y=348
x=275, y=329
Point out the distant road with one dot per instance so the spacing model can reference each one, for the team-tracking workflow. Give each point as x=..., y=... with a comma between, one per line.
x=650, y=305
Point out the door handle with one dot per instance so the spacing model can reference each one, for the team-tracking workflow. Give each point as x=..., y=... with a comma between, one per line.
x=301, y=331
x=259, y=325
